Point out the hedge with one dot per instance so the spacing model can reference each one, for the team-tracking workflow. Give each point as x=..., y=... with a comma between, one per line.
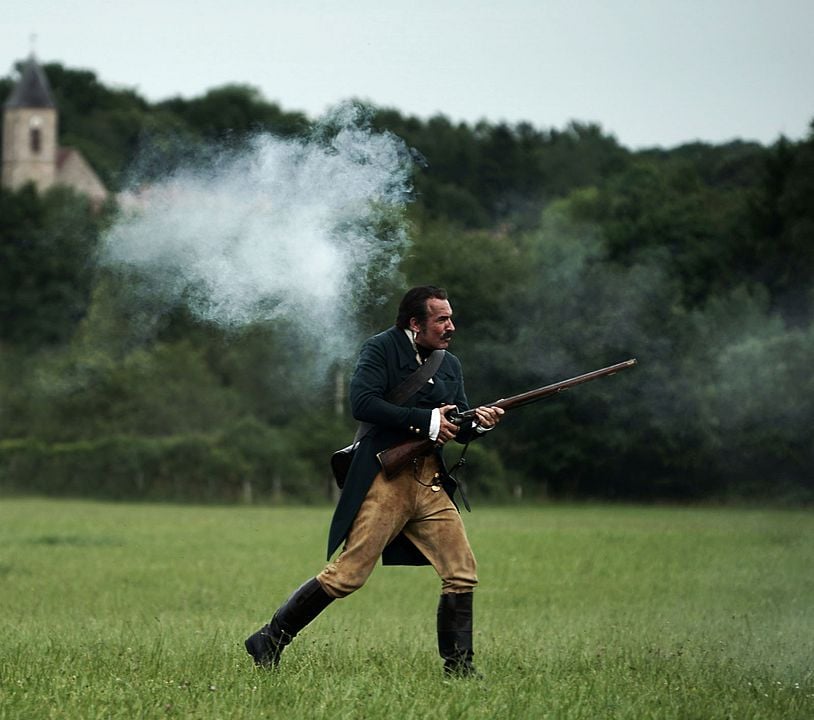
x=193, y=467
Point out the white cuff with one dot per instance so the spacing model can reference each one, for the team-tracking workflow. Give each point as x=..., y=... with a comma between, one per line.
x=435, y=424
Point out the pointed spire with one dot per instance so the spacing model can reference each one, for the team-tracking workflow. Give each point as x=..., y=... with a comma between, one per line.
x=32, y=89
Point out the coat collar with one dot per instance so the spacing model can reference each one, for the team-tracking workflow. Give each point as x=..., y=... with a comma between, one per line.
x=404, y=347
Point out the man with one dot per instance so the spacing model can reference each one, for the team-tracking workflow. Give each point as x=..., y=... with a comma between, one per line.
x=404, y=519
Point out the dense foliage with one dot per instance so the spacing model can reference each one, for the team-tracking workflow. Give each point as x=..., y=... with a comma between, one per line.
x=562, y=250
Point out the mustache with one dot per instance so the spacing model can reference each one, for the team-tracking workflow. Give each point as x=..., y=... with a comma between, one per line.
x=448, y=335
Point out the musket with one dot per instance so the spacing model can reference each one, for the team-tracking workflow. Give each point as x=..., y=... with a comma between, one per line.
x=395, y=458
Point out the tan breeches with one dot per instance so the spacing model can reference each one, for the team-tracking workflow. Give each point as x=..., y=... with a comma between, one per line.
x=429, y=519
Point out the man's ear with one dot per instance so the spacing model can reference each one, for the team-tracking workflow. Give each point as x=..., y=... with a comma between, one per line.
x=414, y=325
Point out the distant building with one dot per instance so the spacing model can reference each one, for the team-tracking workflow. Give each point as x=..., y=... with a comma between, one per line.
x=30, y=149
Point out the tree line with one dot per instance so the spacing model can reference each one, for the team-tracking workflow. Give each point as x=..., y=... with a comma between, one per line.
x=562, y=250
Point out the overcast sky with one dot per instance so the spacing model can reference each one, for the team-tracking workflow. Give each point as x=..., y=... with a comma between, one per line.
x=651, y=72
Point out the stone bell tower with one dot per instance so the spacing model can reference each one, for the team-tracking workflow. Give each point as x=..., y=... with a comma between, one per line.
x=30, y=131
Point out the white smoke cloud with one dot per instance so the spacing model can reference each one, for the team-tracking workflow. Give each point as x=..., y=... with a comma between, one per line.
x=284, y=230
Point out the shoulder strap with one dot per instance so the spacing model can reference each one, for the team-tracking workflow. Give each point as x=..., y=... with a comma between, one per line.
x=412, y=384
x=407, y=387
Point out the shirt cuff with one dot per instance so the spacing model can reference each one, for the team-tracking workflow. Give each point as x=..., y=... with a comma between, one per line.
x=435, y=424
x=481, y=430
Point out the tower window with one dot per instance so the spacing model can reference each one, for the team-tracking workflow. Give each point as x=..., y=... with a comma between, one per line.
x=36, y=140
x=35, y=135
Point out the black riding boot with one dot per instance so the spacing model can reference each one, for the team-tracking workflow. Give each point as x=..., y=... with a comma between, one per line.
x=455, y=634
x=305, y=603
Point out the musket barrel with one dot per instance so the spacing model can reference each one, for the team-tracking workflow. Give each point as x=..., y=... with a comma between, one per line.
x=531, y=396
x=545, y=391
x=394, y=458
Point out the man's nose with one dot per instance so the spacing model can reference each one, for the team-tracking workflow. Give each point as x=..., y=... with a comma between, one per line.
x=450, y=325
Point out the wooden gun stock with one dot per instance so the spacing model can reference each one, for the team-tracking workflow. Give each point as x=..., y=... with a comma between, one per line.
x=399, y=456
x=394, y=459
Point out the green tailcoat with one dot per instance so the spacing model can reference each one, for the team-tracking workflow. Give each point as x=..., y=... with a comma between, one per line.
x=385, y=360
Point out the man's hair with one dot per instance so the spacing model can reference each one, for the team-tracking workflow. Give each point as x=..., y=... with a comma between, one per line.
x=414, y=304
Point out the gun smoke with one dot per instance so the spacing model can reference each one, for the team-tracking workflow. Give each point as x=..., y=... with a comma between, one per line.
x=285, y=230
x=711, y=378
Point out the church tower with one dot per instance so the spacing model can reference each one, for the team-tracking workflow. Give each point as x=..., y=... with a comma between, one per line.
x=30, y=131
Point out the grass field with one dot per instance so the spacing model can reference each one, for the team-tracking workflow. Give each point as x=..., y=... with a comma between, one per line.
x=139, y=611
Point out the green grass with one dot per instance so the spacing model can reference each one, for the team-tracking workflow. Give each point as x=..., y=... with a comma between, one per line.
x=139, y=611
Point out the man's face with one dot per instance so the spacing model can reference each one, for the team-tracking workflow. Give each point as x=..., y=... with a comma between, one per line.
x=437, y=330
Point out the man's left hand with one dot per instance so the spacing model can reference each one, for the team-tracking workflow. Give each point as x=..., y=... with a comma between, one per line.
x=488, y=417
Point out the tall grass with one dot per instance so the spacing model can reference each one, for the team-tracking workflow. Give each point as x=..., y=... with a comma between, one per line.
x=139, y=611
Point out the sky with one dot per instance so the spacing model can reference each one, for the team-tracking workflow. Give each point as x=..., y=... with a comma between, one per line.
x=650, y=72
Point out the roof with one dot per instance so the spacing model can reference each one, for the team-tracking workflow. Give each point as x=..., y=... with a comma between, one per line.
x=63, y=153
x=32, y=89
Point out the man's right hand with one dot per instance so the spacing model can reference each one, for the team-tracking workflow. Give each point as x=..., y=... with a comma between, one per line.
x=448, y=429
